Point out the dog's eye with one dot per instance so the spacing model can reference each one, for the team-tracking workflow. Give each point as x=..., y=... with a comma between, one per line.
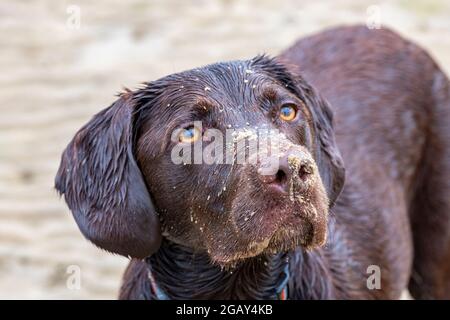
x=189, y=134
x=288, y=112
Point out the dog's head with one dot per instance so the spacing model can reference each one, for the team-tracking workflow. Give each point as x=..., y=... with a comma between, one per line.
x=177, y=159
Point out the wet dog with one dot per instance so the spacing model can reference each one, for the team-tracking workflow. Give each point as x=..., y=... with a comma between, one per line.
x=288, y=221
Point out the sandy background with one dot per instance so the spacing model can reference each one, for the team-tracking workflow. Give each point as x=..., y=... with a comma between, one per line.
x=55, y=76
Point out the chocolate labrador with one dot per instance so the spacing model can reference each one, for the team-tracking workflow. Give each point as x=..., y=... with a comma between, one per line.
x=150, y=178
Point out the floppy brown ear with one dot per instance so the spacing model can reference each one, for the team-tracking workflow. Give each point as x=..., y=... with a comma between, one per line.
x=327, y=155
x=103, y=185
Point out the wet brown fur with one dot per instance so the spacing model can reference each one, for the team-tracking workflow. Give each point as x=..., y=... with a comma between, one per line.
x=391, y=108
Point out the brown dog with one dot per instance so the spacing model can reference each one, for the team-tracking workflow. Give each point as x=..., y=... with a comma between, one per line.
x=232, y=230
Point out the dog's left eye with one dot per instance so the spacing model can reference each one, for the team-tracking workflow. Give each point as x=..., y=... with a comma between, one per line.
x=288, y=112
x=189, y=134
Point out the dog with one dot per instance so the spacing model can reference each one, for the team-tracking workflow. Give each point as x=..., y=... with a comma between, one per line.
x=358, y=206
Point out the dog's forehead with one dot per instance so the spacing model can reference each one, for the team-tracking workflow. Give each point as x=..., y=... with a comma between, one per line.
x=229, y=82
x=228, y=86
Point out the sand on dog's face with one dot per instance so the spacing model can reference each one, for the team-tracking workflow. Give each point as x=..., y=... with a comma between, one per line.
x=55, y=76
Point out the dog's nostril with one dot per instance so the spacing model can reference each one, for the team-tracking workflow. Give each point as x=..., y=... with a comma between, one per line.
x=280, y=177
x=305, y=170
x=277, y=181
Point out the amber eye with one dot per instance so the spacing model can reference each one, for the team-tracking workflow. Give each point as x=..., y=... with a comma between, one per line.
x=189, y=134
x=288, y=112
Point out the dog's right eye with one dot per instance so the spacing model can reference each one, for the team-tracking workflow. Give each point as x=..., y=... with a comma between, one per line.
x=189, y=134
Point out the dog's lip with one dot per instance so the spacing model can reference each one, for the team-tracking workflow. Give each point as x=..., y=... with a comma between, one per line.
x=276, y=188
x=254, y=249
x=274, y=217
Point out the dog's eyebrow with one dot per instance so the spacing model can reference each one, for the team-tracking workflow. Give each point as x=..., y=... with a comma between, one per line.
x=204, y=104
x=269, y=94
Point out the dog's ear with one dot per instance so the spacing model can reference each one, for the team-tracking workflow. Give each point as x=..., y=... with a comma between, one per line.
x=103, y=185
x=330, y=163
x=327, y=155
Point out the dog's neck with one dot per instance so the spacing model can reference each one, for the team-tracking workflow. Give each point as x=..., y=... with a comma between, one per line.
x=177, y=272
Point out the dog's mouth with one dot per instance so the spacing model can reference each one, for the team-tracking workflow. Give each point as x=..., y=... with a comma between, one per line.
x=265, y=226
x=295, y=231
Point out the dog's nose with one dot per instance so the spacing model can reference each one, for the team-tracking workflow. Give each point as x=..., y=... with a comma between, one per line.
x=291, y=166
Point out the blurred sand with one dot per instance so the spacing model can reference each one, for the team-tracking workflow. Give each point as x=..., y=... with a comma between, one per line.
x=54, y=78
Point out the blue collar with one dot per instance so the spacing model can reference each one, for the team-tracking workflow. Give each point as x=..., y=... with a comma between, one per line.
x=156, y=290
x=282, y=289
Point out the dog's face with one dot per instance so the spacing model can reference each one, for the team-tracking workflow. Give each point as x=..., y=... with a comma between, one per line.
x=231, y=194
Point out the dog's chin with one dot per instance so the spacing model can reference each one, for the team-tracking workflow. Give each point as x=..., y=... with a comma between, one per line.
x=230, y=260
x=305, y=235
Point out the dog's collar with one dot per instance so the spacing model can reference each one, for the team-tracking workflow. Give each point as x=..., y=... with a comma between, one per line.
x=157, y=292
x=281, y=292
x=282, y=289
